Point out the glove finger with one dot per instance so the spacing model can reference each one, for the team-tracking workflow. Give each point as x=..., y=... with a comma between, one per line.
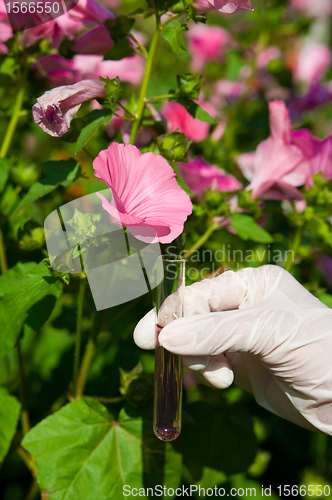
x=145, y=331
x=229, y=331
x=228, y=291
x=218, y=372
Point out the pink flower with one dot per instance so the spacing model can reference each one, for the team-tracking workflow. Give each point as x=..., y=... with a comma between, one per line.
x=313, y=62
x=46, y=31
x=58, y=70
x=84, y=13
x=314, y=9
x=146, y=196
x=206, y=43
x=5, y=34
x=318, y=94
x=224, y=6
x=178, y=118
x=55, y=109
x=199, y=176
x=318, y=152
x=268, y=54
x=96, y=41
x=279, y=165
x=61, y=71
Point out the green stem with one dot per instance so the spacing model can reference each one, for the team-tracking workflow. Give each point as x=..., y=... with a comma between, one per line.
x=201, y=240
x=29, y=462
x=101, y=399
x=160, y=97
x=77, y=353
x=173, y=18
x=15, y=116
x=25, y=420
x=145, y=83
x=292, y=253
x=88, y=357
x=3, y=259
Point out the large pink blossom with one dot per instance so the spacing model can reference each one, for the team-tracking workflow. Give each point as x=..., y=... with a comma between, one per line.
x=286, y=160
x=206, y=43
x=55, y=109
x=278, y=166
x=199, y=176
x=178, y=118
x=146, y=197
x=224, y=6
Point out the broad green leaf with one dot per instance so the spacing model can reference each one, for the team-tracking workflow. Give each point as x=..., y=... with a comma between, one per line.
x=213, y=434
x=4, y=171
x=247, y=229
x=120, y=50
x=82, y=452
x=173, y=35
x=9, y=415
x=95, y=119
x=324, y=230
x=63, y=172
x=27, y=295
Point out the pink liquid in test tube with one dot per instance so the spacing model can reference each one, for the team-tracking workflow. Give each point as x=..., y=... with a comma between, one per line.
x=168, y=393
x=168, y=366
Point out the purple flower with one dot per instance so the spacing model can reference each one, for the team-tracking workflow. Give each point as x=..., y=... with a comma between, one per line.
x=55, y=109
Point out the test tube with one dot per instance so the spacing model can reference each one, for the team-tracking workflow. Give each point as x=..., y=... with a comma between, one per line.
x=168, y=366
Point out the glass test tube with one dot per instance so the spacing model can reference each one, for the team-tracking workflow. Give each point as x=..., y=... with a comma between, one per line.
x=168, y=366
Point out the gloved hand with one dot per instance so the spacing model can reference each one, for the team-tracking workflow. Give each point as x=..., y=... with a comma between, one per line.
x=261, y=327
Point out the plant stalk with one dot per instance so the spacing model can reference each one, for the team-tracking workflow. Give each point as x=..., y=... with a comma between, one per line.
x=15, y=116
x=145, y=83
x=291, y=256
x=77, y=353
x=25, y=419
x=201, y=240
x=3, y=259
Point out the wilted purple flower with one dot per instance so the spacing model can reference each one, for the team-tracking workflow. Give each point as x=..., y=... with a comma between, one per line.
x=55, y=109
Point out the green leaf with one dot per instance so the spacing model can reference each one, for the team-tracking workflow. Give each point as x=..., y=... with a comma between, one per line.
x=59, y=173
x=195, y=110
x=120, y=50
x=9, y=66
x=247, y=229
x=4, y=172
x=9, y=415
x=204, y=116
x=184, y=186
x=119, y=28
x=81, y=451
x=173, y=35
x=27, y=295
x=95, y=119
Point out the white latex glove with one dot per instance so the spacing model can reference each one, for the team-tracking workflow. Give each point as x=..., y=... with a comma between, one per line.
x=275, y=339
